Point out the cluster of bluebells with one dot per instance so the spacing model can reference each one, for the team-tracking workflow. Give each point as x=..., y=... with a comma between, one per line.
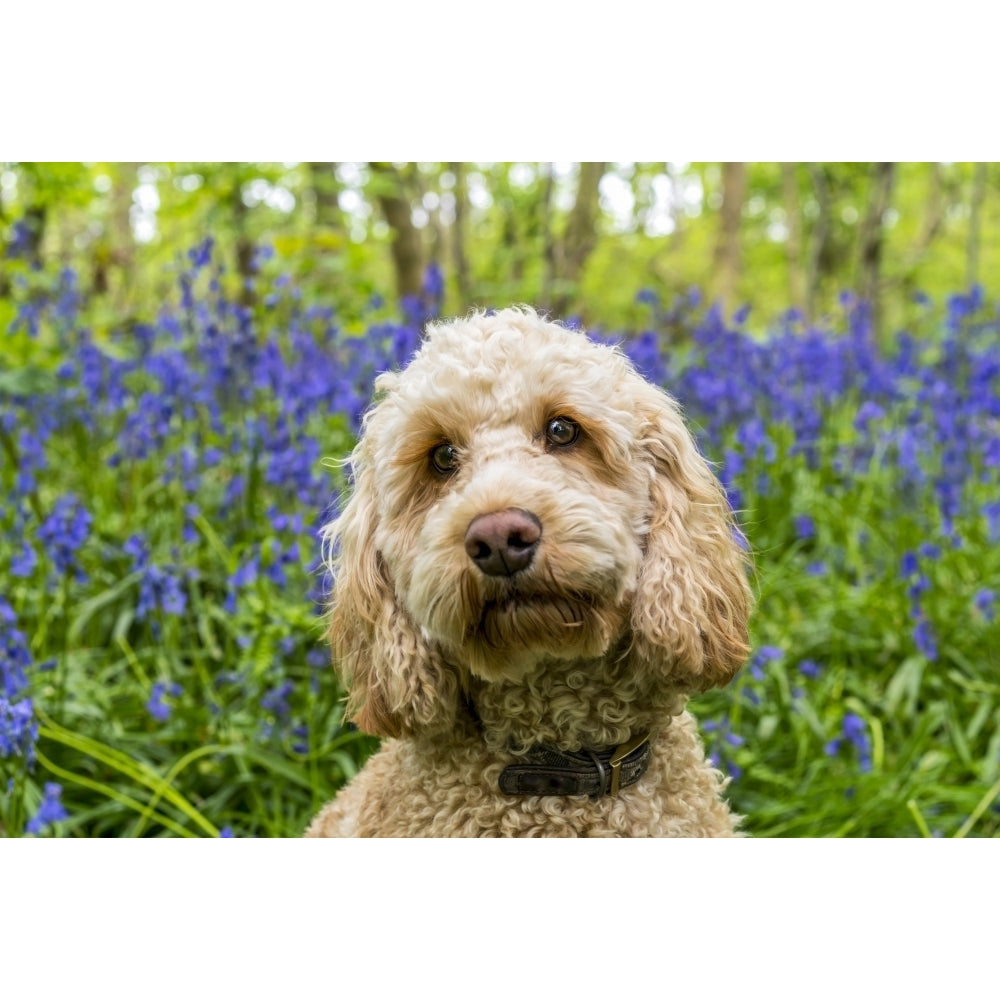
x=853, y=734
x=18, y=726
x=917, y=585
x=224, y=403
x=220, y=404
x=943, y=396
x=927, y=412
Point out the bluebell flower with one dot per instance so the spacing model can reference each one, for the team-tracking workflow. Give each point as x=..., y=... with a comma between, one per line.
x=156, y=706
x=805, y=527
x=300, y=744
x=810, y=668
x=763, y=656
x=867, y=412
x=22, y=239
x=18, y=729
x=275, y=700
x=245, y=575
x=24, y=561
x=15, y=655
x=63, y=533
x=991, y=511
x=201, y=255
x=160, y=587
x=721, y=738
x=984, y=602
x=433, y=286
x=854, y=731
x=50, y=810
x=925, y=639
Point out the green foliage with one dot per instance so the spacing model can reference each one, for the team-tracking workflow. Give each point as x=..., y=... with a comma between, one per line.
x=159, y=583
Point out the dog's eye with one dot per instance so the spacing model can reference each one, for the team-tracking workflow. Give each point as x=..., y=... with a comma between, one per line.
x=444, y=458
x=561, y=431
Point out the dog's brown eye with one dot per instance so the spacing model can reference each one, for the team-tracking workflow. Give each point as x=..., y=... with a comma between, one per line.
x=444, y=458
x=561, y=431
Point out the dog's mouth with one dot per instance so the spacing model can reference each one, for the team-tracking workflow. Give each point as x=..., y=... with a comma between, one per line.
x=528, y=620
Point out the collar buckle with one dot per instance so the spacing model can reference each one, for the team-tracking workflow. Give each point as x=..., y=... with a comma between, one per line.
x=619, y=755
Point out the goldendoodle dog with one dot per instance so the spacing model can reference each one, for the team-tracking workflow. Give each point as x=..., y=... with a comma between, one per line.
x=534, y=571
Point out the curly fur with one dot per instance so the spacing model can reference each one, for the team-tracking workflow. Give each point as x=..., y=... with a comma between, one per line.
x=636, y=596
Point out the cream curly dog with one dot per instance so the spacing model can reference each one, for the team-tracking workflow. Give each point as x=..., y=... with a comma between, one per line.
x=535, y=569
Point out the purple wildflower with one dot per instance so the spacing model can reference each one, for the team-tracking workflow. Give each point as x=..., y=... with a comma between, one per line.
x=810, y=668
x=984, y=601
x=854, y=731
x=156, y=706
x=63, y=533
x=805, y=527
x=763, y=656
x=275, y=700
x=18, y=729
x=50, y=809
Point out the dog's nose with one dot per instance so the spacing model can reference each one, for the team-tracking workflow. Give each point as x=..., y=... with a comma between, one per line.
x=503, y=543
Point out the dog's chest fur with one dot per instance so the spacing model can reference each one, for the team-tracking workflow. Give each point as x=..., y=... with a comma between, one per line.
x=415, y=787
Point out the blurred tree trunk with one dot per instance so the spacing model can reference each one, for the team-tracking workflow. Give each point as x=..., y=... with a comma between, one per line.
x=325, y=189
x=581, y=235
x=548, y=236
x=975, y=221
x=726, y=260
x=116, y=251
x=819, y=249
x=870, y=239
x=793, y=245
x=407, y=258
x=34, y=220
x=459, y=258
x=244, y=245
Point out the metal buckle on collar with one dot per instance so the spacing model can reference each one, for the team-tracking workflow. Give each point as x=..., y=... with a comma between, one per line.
x=619, y=755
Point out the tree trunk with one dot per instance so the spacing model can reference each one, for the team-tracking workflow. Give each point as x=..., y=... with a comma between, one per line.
x=116, y=250
x=870, y=238
x=793, y=245
x=460, y=260
x=244, y=245
x=727, y=260
x=325, y=190
x=818, y=252
x=581, y=234
x=407, y=257
x=548, y=237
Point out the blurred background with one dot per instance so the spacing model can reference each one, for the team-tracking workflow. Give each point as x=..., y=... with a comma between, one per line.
x=580, y=239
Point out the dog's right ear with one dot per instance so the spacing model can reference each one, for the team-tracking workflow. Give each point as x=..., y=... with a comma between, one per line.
x=397, y=681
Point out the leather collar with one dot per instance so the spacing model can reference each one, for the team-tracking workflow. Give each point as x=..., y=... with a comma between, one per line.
x=547, y=771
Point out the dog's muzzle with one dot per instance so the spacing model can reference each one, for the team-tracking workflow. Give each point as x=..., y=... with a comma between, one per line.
x=547, y=771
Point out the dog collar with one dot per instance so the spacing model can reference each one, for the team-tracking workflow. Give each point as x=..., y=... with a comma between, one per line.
x=547, y=771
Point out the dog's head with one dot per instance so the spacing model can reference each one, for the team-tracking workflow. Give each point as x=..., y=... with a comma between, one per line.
x=522, y=494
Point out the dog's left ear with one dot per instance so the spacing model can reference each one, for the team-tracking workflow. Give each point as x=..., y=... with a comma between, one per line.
x=398, y=682
x=692, y=601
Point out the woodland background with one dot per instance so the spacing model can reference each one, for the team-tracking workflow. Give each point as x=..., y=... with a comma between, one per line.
x=578, y=239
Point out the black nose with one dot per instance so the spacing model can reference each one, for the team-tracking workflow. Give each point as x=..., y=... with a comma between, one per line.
x=503, y=543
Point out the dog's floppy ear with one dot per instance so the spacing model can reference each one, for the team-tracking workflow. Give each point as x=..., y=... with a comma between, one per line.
x=692, y=601
x=397, y=681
